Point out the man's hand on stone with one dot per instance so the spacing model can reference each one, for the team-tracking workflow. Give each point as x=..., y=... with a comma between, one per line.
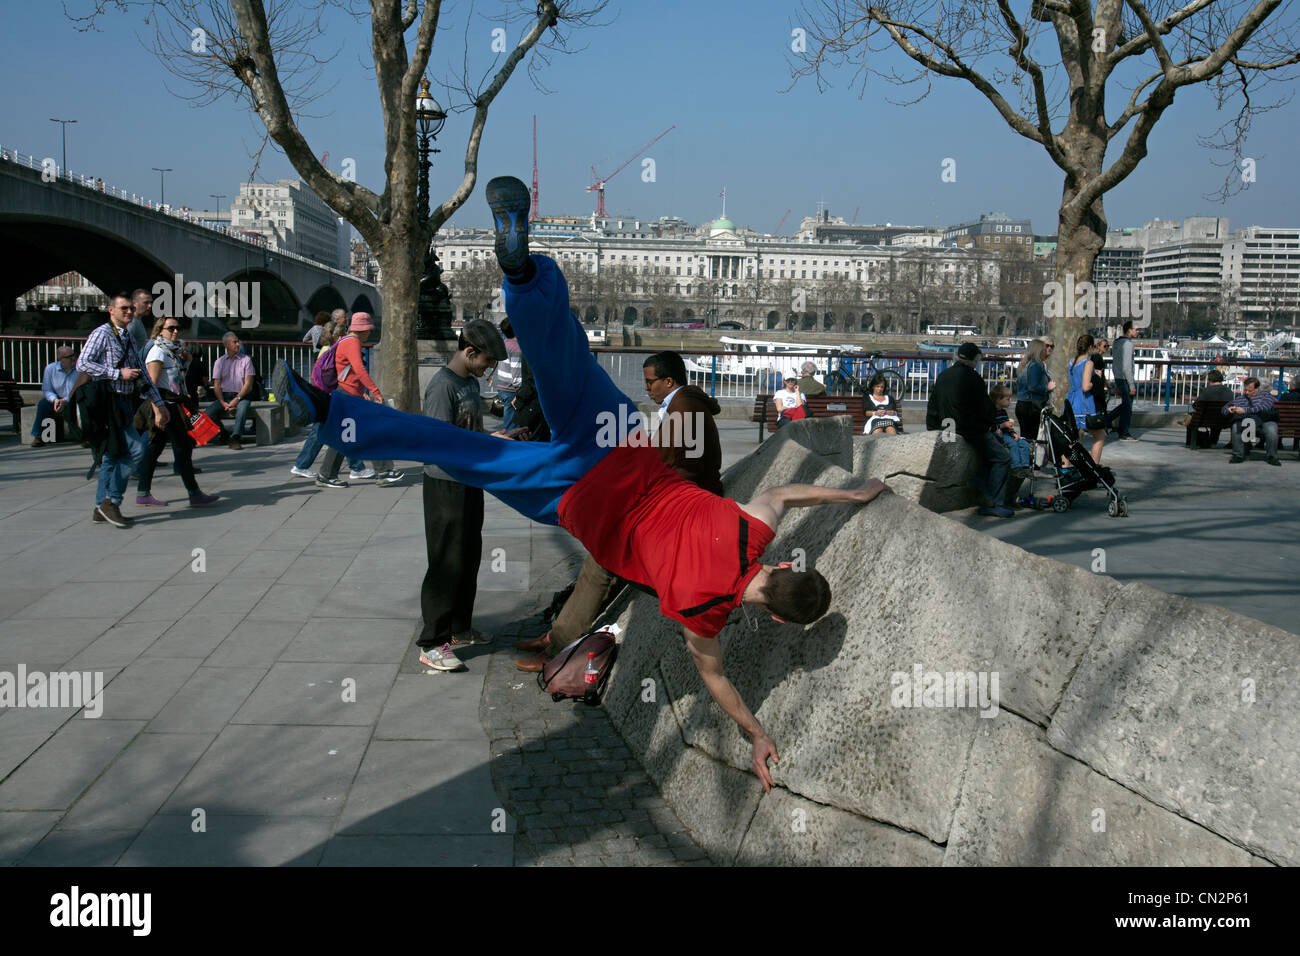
x=870, y=490
x=764, y=748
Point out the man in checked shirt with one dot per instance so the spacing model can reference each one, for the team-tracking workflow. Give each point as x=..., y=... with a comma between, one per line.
x=110, y=354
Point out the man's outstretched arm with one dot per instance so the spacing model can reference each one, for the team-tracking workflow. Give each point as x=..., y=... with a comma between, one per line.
x=771, y=504
x=708, y=661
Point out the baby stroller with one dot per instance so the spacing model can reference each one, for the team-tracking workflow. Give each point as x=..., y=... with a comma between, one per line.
x=1059, y=436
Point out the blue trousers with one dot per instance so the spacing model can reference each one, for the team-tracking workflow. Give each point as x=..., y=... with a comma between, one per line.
x=577, y=397
x=311, y=448
x=114, y=472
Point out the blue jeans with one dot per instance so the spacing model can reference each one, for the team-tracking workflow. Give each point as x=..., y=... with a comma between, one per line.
x=507, y=414
x=995, y=465
x=576, y=394
x=115, y=472
x=1018, y=448
x=215, y=410
x=45, y=412
x=311, y=448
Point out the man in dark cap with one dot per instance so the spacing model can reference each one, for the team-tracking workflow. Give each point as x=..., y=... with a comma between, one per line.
x=960, y=396
x=453, y=512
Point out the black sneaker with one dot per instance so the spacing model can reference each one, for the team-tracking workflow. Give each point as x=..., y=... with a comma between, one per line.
x=508, y=198
x=389, y=478
x=323, y=482
x=304, y=402
x=1235, y=460
x=1274, y=461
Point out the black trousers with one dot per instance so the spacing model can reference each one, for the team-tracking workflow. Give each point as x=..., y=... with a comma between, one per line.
x=453, y=540
x=182, y=448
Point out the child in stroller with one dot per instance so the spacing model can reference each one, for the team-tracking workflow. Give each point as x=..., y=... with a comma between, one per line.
x=1061, y=437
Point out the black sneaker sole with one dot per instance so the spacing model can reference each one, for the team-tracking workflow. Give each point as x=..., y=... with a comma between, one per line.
x=509, y=200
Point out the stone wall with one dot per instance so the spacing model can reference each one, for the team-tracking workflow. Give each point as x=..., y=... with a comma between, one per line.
x=1127, y=731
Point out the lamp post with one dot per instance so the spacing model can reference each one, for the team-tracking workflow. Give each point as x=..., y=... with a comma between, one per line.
x=218, y=197
x=64, y=123
x=433, y=316
x=162, y=183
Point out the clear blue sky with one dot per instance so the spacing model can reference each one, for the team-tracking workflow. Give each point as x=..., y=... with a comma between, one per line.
x=714, y=69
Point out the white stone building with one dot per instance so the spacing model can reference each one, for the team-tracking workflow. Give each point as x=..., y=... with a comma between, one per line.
x=289, y=217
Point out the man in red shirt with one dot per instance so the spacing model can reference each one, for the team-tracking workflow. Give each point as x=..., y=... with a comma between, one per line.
x=599, y=477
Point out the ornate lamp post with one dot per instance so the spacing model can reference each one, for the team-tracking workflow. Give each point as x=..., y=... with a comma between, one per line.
x=433, y=317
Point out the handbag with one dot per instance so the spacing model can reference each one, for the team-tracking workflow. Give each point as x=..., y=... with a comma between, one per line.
x=200, y=427
x=1094, y=422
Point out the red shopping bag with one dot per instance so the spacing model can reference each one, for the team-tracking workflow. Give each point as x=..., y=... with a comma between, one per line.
x=201, y=428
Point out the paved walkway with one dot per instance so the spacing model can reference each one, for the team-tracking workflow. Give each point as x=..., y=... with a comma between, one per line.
x=1198, y=526
x=262, y=703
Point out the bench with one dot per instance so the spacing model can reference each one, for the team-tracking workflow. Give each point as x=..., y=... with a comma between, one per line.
x=819, y=406
x=268, y=420
x=11, y=400
x=1209, y=414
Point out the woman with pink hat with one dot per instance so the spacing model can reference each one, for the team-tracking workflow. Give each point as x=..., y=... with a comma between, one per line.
x=355, y=380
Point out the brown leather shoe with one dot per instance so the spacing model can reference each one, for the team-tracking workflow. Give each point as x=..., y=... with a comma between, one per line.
x=235, y=444
x=532, y=665
x=37, y=443
x=96, y=516
x=113, y=515
x=535, y=644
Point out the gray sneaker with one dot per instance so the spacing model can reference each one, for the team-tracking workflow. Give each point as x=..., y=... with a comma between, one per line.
x=389, y=478
x=470, y=637
x=441, y=659
x=323, y=482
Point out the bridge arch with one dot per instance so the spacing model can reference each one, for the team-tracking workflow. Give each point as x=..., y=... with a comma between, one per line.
x=325, y=299
x=32, y=249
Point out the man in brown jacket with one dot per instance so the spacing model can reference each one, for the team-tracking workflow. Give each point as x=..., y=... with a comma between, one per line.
x=687, y=440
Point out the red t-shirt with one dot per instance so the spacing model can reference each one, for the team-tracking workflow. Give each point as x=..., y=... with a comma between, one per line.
x=643, y=522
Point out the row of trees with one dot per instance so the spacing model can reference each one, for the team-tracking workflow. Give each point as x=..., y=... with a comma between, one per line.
x=905, y=300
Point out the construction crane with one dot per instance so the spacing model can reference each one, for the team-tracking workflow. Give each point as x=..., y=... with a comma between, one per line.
x=325, y=159
x=855, y=217
x=777, y=230
x=532, y=213
x=598, y=183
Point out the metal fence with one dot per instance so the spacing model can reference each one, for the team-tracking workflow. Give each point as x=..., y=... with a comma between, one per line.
x=1160, y=382
x=25, y=357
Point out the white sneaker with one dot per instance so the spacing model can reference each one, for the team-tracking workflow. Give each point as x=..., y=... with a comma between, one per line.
x=441, y=659
x=360, y=475
x=302, y=472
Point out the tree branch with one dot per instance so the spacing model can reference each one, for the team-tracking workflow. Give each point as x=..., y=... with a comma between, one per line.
x=1140, y=43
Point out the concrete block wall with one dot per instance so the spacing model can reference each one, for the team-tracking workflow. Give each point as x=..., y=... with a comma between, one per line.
x=1131, y=727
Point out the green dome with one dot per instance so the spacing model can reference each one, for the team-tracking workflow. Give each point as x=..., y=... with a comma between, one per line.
x=724, y=223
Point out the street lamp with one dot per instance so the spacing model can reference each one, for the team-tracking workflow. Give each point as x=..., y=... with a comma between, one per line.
x=162, y=183
x=218, y=197
x=433, y=316
x=64, y=123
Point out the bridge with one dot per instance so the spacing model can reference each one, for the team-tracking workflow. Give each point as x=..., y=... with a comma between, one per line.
x=50, y=225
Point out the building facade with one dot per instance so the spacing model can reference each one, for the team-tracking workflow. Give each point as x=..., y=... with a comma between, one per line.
x=288, y=217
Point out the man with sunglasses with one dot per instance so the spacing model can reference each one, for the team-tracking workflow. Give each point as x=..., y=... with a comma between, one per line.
x=110, y=356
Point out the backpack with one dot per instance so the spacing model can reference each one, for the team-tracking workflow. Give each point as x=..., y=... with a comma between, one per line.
x=323, y=373
x=563, y=676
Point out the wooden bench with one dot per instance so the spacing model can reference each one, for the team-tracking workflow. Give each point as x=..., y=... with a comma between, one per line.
x=819, y=406
x=1210, y=415
x=11, y=400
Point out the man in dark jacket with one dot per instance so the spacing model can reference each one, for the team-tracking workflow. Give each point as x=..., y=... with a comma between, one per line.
x=687, y=439
x=961, y=397
x=1218, y=393
x=1253, y=417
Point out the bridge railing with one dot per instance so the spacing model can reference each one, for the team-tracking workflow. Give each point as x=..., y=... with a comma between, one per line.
x=25, y=357
x=12, y=155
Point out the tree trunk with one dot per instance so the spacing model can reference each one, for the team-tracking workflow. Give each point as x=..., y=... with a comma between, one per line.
x=398, y=377
x=1080, y=237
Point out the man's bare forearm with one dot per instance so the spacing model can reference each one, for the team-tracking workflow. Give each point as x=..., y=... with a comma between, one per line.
x=729, y=699
x=805, y=496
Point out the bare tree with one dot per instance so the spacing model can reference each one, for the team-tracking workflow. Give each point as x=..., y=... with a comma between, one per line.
x=1236, y=47
x=264, y=55
x=473, y=285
